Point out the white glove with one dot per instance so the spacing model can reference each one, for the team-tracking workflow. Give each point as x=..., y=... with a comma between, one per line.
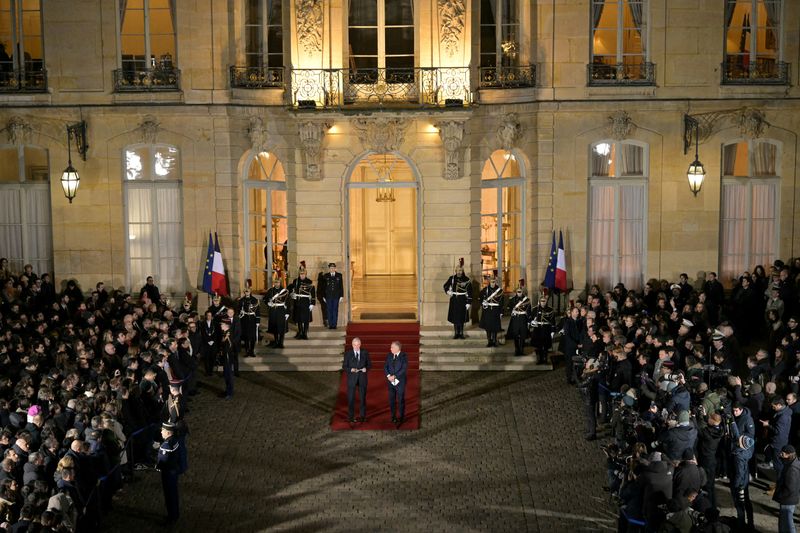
x=286, y=317
x=294, y=296
x=270, y=304
x=340, y=299
x=468, y=306
x=485, y=305
x=311, y=307
x=324, y=300
x=449, y=292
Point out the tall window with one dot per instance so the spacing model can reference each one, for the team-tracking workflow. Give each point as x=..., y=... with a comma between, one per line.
x=502, y=218
x=154, y=216
x=500, y=33
x=753, y=40
x=147, y=34
x=619, y=41
x=381, y=35
x=266, y=231
x=263, y=33
x=617, y=213
x=749, y=206
x=25, y=230
x=21, y=45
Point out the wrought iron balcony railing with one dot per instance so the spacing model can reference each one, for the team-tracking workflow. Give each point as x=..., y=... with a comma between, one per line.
x=760, y=72
x=23, y=81
x=421, y=86
x=147, y=80
x=507, y=77
x=621, y=74
x=256, y=77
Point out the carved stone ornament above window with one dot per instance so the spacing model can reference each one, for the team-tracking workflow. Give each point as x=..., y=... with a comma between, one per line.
x=18, y=130
x=452, y=15
x=311, y=136
x=381, y=135
x=620, y=125
x=259, y=138
x=148, y=129
x=751, y=122
x=309, y=24
x=509, y=132
x=452, y=133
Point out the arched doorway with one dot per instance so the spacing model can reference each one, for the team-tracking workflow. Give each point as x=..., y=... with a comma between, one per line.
x=382, y=210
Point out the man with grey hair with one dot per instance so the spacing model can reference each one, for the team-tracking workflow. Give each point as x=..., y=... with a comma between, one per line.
x=395, y=371
x=356, y=364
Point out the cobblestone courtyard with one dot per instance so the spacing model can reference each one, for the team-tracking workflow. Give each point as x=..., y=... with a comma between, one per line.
x=496, y=452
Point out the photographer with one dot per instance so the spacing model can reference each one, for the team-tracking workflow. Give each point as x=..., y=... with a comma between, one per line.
x=680, y=436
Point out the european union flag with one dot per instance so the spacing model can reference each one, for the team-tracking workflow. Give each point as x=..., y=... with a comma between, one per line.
x=208, y=266
x=550, y=275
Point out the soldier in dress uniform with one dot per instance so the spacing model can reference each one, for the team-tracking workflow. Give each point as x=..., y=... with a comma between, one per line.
x=278, y=314
x=491, y=299
x=216, y=307
x=321, y=297
x=334, y=292
x=520, y=307
x=542, y=324
x=458, y=287
x=303, y=293
x=171, y=463
x=227, y=355
x=249, y=316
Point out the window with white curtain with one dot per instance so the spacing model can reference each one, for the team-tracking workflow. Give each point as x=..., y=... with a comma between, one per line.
x=25, y=231
x=266, y=231
x=380, y=35
x=617, y=244
x=154, y=216
x=147, y=34
x=749, y=206
x=753, y=33
x=619, y=32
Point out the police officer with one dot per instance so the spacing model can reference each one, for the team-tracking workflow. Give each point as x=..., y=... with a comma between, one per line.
x=303, y=293
x=491, y=299
x=171, y=463
x=542, y=329
x=278, y=314
x=249, y=316
x=520, y=307
x=459, y=288
x=334, y=292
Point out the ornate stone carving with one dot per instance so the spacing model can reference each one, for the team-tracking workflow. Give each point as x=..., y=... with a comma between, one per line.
x=259, y=138
x=18, y=130
x=381, y=134
x=452, y=133
x=751, y=122
x=620, y=125
x=509, y=132
x=311, y=135
x=148, y=129
x=309, y=24
x=452, y=14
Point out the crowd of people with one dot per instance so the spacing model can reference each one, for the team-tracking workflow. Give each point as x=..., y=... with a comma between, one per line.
x=689, y=384
x=91, y=391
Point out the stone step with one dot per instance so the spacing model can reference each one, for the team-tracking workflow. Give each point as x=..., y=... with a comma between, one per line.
x=471, y=340
x=290, y=367
x=490, y=367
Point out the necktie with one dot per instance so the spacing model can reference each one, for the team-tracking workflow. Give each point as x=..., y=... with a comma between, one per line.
x=358, y=359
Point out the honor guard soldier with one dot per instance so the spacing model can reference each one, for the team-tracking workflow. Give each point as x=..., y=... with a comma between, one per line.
x=459, y=288
x=520, y=306
x=333, y=294
x=216, y=307
x=303, y=293
x=227, y=353
x=491, y=299
x=542, y=324
x=171, y=463
x=278, y=314
x=249, y=316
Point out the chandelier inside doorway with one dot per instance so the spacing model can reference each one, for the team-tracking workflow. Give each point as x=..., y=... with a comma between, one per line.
x=384, y=171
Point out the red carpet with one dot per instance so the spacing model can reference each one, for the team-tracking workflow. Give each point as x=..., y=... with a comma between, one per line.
x=376, y=338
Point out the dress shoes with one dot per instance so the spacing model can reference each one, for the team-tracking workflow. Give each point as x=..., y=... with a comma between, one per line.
x=394, y=420
x=298, y=336
x=362, y=419
x=400, y=421
x=351, y=420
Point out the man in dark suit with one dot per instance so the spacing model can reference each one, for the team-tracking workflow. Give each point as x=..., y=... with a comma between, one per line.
x=395, y=371
x=356, y=364
x=333, y=290
x=573, y=329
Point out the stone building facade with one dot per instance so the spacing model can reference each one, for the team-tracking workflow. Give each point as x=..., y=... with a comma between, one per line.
x=565, y=115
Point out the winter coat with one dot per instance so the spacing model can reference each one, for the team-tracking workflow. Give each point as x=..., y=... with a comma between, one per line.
x=676, y=440
x=787, y=489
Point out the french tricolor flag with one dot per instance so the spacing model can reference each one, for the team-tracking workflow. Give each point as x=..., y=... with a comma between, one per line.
x=561, y=265
x=214, y=279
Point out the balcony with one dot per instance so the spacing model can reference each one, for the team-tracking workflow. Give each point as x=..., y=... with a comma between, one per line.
x=380, y=87
x=737, y=70
x=507, y=77
x=23, y=81
x=147, y=80
x=620, y=74
x=256, y=77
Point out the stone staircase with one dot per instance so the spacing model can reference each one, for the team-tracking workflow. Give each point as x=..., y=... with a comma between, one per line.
x=323, y=351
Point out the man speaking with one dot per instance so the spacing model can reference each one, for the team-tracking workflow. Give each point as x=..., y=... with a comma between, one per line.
x=395, y=371
x=356, y=364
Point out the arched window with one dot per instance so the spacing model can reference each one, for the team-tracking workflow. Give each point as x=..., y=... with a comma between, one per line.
x=749, y=206
x=617, y=236
x=25, y=230
x=502, y=217
x=266, y=230
x=154, y=216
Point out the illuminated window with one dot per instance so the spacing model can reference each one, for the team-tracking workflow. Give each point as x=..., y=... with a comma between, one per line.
x=153, y=216
x=500, y=33
x=21, y=45
x=502, y=218
x=619, y=41
x=753, y=40
x=617, y=240
x=25, y=225
x=749, y=206
x=381, y=36
x=147, y=34
x=266, y=231
x=263, y=33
